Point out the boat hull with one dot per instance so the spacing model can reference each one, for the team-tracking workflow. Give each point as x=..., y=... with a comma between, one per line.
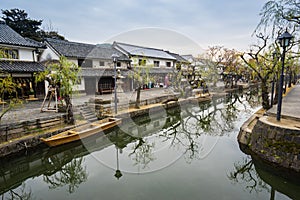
x=81, y=132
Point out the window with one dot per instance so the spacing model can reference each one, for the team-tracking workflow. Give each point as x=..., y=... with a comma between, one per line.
x=142, y=62
x=85, y=63
x=156, y=63
x=102, y=63
x=11, y=53
x=118, y=64
x=168, y=64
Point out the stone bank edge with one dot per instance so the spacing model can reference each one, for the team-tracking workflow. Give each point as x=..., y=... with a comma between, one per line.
x=279, y=145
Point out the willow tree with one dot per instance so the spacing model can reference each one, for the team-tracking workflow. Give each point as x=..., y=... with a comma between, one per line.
x=260, y=60
x=277, y=14
x=8, y=87
x=140, y=73
x=62, y=75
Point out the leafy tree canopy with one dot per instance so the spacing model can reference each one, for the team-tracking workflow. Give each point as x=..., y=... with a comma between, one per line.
x=276, y=15
x=19, y=21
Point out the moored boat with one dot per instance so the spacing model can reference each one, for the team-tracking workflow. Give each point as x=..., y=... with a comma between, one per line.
x=81, y=132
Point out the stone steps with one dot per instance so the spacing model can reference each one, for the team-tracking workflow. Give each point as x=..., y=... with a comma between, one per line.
x=88, y=113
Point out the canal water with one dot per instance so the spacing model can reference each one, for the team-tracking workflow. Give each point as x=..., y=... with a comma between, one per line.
x=190, y=152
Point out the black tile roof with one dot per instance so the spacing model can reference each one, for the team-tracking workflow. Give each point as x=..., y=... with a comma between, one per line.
x=83, y=50
x=10, y=37
x=178, y=57
x=20, y=66
x=92, y=72
x=135, y=50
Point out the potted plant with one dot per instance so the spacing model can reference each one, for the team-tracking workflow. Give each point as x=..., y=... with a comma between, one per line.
x=31, y=93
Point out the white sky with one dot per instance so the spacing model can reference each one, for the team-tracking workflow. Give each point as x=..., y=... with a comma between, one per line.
x=181, y=26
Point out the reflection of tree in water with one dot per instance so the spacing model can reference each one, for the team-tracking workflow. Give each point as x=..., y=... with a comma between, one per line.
x=142, y=154
x=244, y=173
x=215, y=119
x=18, y=193
x=186, y=128
x=71, y=174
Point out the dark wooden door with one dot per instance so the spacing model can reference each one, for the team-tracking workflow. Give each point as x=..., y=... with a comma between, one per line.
x=90, y=85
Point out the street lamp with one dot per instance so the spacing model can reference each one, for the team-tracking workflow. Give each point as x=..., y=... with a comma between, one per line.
x=115, y=59
x=284, y=41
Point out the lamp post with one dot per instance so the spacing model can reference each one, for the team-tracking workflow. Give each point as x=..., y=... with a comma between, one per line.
x=284, y=42
x=115, y=59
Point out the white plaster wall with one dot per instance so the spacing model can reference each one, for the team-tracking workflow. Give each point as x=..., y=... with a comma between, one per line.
x=48, y=54
x=150, y=62
x=73, y=60
x=96, y=63
x=26, y=54
x=107, y=64
x=79, y=87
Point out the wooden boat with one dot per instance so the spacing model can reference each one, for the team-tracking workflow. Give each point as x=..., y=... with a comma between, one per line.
x=81, y=132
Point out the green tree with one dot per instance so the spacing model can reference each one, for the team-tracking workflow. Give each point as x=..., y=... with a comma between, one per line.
x=64, y=75
x=277, y=14
x=260, y=60
x=8, y=87
x=51, y=34
x=19, y=21
x=141, y=75
x=232, y=67
x=212, y=59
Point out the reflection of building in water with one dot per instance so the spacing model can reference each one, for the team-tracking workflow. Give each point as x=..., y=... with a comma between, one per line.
x=50, y=161
x=46, y=162
x=145, y=126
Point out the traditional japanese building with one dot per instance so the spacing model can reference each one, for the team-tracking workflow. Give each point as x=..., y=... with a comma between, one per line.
x=97, y=67
x=20, y=58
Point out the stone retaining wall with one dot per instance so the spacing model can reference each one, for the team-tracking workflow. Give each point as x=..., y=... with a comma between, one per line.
x=17, y=130
x=277, y=144
x=15, y=138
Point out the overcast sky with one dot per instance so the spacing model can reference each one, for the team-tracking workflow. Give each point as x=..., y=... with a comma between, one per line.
x=184, y=26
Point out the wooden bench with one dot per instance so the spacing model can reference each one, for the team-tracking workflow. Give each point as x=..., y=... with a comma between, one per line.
x=105, y=88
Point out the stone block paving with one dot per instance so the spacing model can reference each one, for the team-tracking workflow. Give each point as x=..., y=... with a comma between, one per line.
x=290, y=105
x=32, y=109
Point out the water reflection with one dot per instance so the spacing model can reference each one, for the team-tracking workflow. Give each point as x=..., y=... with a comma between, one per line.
x=143, y=145
x=21, y=193
x=257, y=176
x=244, y=173
x=136, y=143
x=71, y=174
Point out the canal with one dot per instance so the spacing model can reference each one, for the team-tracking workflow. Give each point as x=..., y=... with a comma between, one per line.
x=190, y=152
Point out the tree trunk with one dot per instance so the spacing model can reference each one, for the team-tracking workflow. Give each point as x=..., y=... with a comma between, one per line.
x=276, y=93
x=265, y=94
x=290, y=78
x=138, y=97
x=70, y=115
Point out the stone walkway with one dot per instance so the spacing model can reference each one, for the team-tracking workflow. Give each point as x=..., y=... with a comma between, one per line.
x=32, y=109
x=290, y=105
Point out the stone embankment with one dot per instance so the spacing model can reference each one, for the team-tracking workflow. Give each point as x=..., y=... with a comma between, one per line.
x=25, y=134
x=277, y=142
x=21, y=129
